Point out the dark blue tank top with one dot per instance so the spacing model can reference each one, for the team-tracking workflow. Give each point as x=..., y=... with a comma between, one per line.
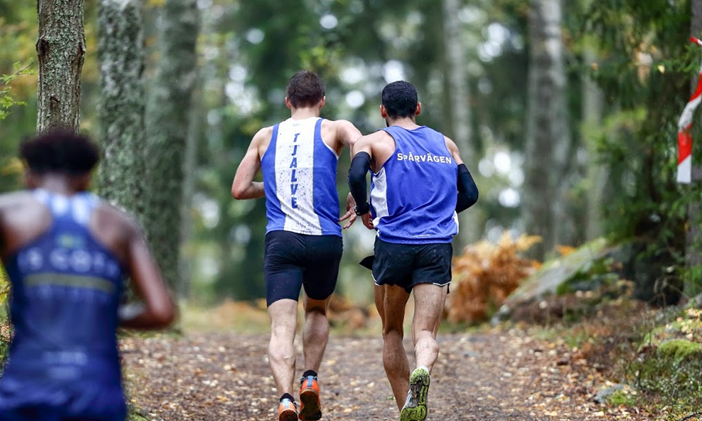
x=413, y=196
x=66, y=289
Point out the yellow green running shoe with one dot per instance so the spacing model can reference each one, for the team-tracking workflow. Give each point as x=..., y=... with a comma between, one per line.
x=415, y=408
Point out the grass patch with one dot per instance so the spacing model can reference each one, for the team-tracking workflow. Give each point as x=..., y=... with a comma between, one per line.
x=622, y=397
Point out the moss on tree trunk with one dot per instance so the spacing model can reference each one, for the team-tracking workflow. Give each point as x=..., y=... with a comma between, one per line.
x=122, y=102
x=61, y=50
x=167, y=120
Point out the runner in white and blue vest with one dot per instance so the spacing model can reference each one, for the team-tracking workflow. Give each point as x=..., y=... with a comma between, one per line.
x=303, y=245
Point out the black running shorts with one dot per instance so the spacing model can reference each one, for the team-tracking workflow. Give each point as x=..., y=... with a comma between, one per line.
x=407, y=265
x=295, y=260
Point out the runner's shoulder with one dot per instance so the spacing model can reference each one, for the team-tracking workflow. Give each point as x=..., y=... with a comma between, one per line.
x=339, y=126
x=15, y=199
x=110, y=214
x=263, y=135
x=377, y=137
x=450, y=144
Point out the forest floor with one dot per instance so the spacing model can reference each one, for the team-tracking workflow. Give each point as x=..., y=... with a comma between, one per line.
x=492, y=374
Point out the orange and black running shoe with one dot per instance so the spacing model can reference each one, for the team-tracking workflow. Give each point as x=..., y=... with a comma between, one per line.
x=287, y=410
x=310, y=405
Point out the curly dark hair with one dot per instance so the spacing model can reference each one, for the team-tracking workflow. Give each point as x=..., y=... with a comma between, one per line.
x=305, y=89
x=400, y=99
x=60, y=151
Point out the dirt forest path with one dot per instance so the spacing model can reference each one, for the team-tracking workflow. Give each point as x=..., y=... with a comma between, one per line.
x=483, y=376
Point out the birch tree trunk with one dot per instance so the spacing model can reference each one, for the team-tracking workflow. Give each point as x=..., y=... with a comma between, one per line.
x=196, y=132
x=693, y=257
x=167, y=121
x=122, y=103
x=548, y=140
x=597, y=173
x=60, y=49
x=458, y=112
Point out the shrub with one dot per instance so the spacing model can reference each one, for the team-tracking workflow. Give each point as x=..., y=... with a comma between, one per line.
x=484, y=276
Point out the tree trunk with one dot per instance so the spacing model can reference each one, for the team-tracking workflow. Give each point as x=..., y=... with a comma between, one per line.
x=196, y=132
x=548, y=141
x=693, y=257
x=167, y=120
x=60, y=48
x=597, y=173
x=122, y=103
x=458, y=112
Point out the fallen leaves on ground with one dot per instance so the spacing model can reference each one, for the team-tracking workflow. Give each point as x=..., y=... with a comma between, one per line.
x=494, y=375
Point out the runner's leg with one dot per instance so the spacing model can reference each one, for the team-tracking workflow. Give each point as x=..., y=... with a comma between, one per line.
x=316, y=333
x=428, y=306
x=390, y=302
x=319, y=280
x=281, y=350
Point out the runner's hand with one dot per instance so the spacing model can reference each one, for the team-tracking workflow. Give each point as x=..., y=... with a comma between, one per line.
x=350, y=214
x=368, y=221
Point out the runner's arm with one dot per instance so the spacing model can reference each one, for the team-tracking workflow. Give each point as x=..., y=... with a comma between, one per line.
x=157, y=310
x=244, y=186
x=467, y=189
x=348, y=134
x=360, y=164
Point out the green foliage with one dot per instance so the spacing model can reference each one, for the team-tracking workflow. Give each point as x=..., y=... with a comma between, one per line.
x=645, y=68
x=6, y=100
x=4, y=323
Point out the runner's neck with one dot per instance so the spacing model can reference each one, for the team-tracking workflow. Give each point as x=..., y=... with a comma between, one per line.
x=304, y=113
x=59, y=184
x=406, y=123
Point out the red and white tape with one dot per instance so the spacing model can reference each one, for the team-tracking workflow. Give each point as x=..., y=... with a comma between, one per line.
x=684, y=126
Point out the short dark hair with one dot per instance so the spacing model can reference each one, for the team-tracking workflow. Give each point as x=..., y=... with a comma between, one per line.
x=400, y=99
x=60, y=151
x=305, y=89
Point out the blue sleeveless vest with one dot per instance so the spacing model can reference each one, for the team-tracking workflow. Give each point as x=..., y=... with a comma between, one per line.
x=413, y=196
x=66, y=289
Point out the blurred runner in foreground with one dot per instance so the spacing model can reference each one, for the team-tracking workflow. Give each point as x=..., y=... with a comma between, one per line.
x=66, y=253
x=419, y=183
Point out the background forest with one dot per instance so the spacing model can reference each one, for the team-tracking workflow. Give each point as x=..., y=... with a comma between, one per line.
x=566, y=114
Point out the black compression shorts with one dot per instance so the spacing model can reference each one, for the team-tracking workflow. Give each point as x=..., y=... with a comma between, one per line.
x=295, y=260
x=407, y=265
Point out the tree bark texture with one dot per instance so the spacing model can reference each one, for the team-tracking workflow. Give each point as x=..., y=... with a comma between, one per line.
x=122, y=103
x=459, y=110
x=693, y=257
x=61, y=50
x=167, y=121
x=548, y=140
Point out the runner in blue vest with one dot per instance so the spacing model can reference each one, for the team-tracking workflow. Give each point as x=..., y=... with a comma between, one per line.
x=66, y=253
x=419, y=183
x=303, y=247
